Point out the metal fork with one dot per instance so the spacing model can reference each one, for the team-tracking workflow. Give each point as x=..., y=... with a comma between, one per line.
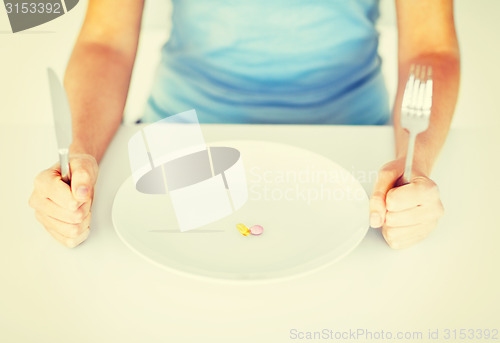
x=416, y=110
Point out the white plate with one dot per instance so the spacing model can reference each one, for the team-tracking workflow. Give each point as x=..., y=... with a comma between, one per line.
x=313, y=212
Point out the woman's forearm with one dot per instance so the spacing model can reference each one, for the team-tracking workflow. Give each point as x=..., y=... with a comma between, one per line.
x=446, y=76
x=97, y=80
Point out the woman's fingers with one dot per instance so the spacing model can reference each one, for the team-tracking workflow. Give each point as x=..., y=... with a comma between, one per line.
x=420, y=214
x=420, y=191
x=50, y=208
x=403, y=237
x=408, y=213
x=83, y=176
x=49, y=184
x=405, y=228
x=70, y=235
x=67, y=230
x=70, y=242
x=386, y=179
x=64, y=211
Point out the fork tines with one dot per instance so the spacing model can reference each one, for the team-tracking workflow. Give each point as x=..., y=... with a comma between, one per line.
x=417, y=98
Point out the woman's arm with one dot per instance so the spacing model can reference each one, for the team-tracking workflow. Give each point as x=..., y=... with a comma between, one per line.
x=426, y=36
x=97, y=79
x=99, y=71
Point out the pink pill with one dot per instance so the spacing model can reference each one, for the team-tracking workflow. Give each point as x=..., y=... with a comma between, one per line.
x=256, y=230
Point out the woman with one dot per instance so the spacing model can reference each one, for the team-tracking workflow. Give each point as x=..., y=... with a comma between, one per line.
x=308, y=62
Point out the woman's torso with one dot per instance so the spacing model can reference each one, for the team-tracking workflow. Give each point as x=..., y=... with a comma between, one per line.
x=274, y=61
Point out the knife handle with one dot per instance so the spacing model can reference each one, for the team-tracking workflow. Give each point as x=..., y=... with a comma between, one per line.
x=64, y=162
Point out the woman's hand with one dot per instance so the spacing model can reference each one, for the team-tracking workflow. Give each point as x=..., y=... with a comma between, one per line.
x=407, y=214
x=64, y=211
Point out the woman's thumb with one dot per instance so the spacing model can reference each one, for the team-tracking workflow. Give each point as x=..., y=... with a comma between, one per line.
x=385, y=181
x=83, y=176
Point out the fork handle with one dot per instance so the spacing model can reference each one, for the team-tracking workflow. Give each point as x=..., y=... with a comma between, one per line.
x=409, y=158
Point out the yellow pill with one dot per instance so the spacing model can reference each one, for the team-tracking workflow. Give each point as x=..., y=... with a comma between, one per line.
x=243, y=229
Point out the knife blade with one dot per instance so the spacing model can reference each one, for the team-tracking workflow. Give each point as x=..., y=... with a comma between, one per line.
x=62, y=122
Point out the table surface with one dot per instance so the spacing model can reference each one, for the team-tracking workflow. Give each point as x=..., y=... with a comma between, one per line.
x=103, y=292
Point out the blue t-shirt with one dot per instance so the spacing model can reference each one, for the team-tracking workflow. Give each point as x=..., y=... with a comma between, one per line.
x=272, y=61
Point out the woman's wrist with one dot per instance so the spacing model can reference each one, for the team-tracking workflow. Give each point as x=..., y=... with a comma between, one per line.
x=77, y=148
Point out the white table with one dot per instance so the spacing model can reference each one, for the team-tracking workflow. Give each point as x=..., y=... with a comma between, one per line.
x=103, y=292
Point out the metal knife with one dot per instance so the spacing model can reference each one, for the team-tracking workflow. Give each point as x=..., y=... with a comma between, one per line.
x=62, y=121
